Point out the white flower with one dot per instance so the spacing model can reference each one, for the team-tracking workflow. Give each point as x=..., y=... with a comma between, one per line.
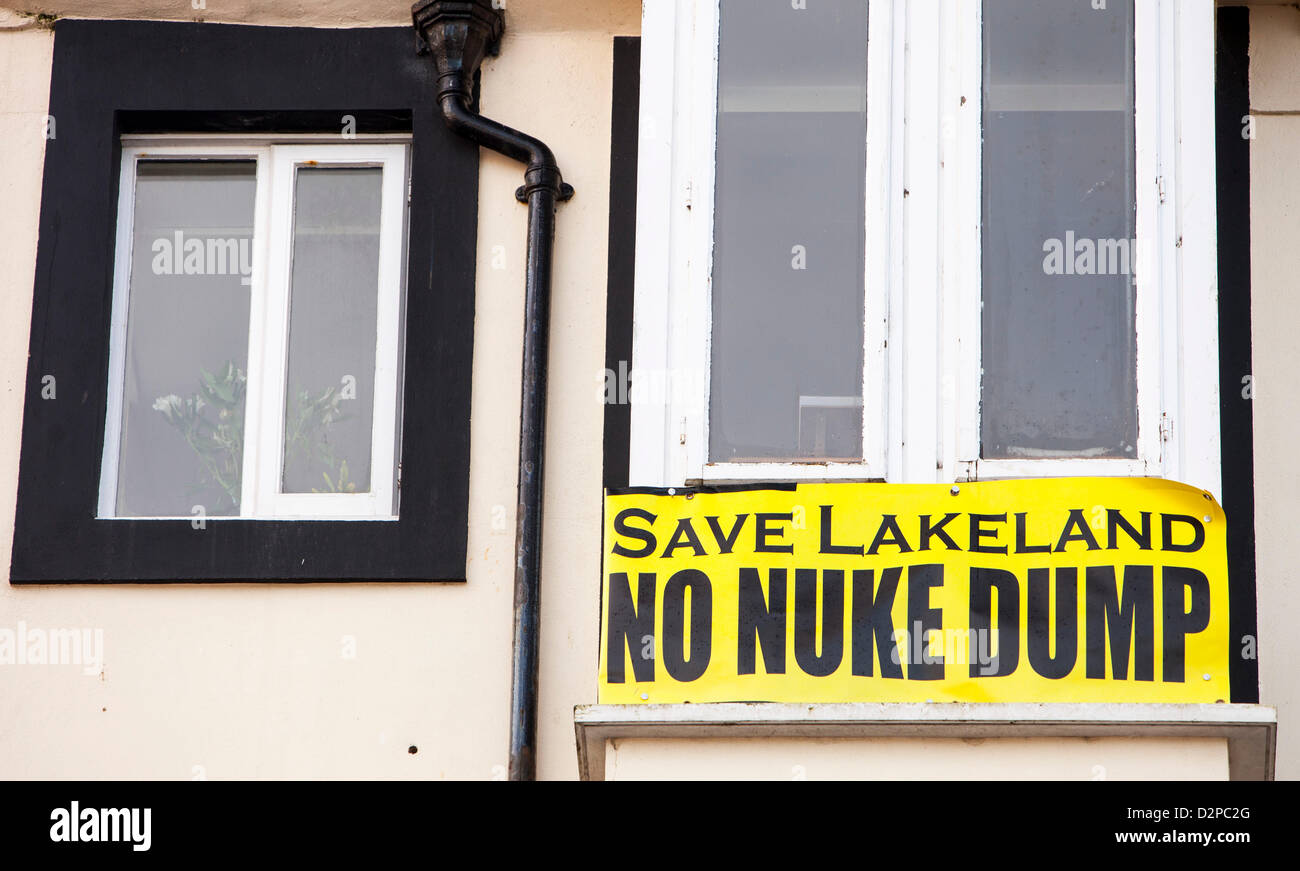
x=166, y=403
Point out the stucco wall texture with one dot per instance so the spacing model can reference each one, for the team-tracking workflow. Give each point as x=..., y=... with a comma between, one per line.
x=903, y=759
x=528, y=16
x=1274, y=264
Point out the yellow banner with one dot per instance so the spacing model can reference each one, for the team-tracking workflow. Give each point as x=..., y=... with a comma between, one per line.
x=1048, y=590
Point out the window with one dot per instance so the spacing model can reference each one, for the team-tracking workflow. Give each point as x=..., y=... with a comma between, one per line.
x=907, y=241
x=1064, y=268
x=257, y=319
x=1059, y=331
x=789, y=234
x=320, y=293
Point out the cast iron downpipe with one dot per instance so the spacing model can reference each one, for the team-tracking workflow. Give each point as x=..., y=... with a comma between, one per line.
x=458, y=35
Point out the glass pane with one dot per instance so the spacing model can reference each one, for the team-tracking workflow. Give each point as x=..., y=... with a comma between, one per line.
x=1060, y=377
x=789, y=233
x=330, y=395
x=187, y=339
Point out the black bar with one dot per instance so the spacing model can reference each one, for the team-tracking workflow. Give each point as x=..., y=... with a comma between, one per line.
x=1232, y=104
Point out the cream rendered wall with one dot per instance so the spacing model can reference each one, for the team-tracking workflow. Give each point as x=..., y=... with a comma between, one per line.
x=528, y=16
x=250, y=681
x=1275, y=263
x=917, y=759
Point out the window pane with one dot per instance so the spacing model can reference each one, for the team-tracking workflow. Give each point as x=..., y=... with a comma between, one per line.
x=182, y=441
x=1060, y=376
x=789, y=232
x=330, y=392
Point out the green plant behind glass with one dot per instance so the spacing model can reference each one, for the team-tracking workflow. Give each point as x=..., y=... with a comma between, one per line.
x=219, y=444
x=307, y=447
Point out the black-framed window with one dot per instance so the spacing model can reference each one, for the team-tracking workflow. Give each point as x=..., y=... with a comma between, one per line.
x=116, y=79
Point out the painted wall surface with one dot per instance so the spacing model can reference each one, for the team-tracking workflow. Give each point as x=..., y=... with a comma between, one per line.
x=1274, y=264
x=528, y=16
x=255, y=681
x=917, y=759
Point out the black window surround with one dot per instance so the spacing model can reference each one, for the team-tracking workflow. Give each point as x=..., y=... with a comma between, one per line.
x=112, y=78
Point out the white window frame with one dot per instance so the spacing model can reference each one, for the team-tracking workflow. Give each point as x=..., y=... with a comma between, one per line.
x=924, y=165
x=674, y=260
x=277, y=160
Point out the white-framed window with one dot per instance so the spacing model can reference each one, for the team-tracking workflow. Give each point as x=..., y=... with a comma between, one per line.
x=256, y=344
x=997, y=133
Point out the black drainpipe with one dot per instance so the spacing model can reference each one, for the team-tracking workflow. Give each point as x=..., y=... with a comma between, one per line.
x=458, y=35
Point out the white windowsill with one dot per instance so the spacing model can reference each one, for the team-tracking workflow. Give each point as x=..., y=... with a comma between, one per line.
x=1250, y=730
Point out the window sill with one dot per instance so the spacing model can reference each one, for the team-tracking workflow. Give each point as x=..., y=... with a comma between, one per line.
x=1249, y=730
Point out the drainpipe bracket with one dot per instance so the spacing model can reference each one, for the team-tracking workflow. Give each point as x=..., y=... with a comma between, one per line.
x=565, y=193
